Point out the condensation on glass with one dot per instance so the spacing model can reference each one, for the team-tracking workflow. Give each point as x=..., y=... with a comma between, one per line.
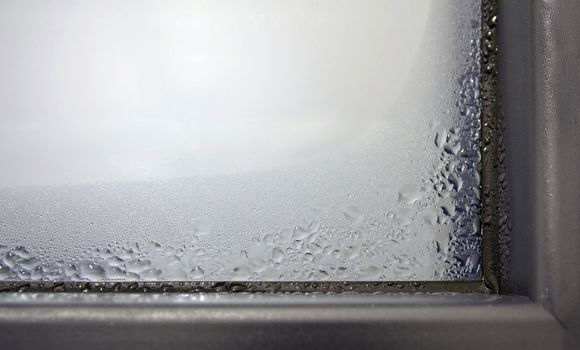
x=239, y=140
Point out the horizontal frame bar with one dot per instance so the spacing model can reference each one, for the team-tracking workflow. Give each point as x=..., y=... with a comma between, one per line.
x=348, y=322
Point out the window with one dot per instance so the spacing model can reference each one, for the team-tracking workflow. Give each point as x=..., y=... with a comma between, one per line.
x=240, y=141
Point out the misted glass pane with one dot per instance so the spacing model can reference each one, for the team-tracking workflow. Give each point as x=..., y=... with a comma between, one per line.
x=239, y=140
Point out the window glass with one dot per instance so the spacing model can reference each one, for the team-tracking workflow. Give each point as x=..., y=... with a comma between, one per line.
x=239, y=140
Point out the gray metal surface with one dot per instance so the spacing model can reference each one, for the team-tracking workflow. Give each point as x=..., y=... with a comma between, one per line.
x=540, y=83
x=285, y=322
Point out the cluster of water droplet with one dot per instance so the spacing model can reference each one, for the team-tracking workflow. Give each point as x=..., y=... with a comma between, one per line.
x=318, y=250
x=112, y=263
x=458, y=175
x=454, y=185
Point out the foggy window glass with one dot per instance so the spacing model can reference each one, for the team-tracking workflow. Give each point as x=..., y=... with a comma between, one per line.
x=239, y=140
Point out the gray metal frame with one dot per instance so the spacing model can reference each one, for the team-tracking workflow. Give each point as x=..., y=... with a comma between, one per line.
x=540, y=102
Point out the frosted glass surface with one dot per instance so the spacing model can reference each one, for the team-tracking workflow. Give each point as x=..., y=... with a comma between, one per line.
x=239, y=140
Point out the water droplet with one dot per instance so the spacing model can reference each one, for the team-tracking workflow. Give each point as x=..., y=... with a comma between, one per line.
x=91, y=271
x=277, y=255
x=197, y=272
x=353, y=214
x=410, y=193
x=299, y=233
